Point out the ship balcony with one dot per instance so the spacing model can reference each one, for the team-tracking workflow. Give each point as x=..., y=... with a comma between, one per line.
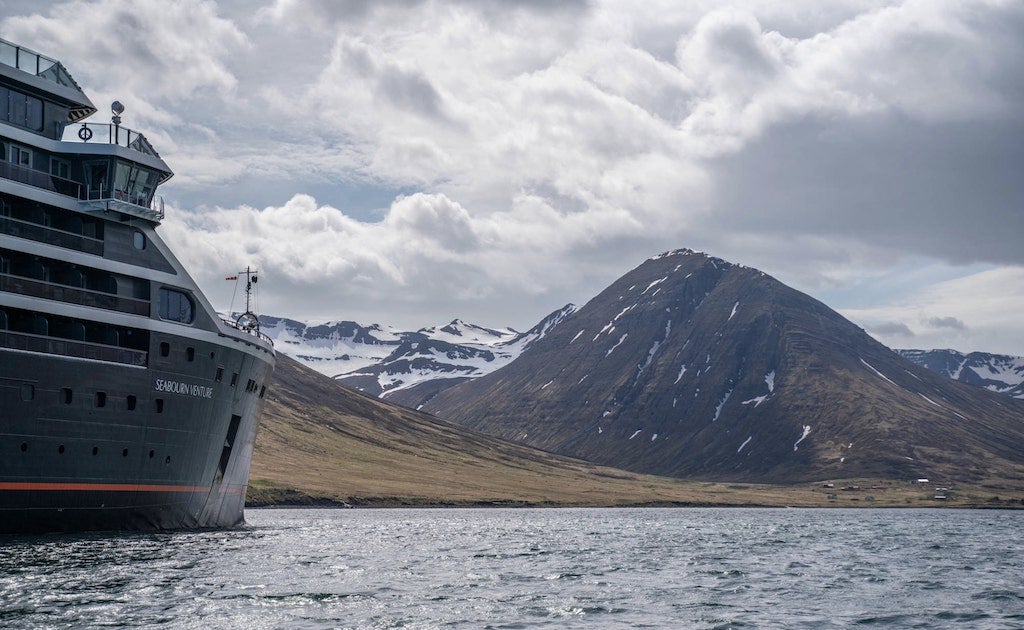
x=39, y=179
x=29, y=342
x=91, y=199
x=50, y=235
x=76, y=295
x=105, y=133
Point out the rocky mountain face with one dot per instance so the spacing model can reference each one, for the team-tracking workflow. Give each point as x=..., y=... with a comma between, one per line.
x=995, y=372
x=694, y=367
x=406, y=367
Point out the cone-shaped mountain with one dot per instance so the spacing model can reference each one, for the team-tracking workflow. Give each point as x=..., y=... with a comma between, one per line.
x=692, y=366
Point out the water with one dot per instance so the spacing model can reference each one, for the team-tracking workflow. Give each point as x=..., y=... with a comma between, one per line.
x=527, y=568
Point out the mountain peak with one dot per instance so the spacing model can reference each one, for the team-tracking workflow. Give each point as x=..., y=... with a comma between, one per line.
x=691, y=366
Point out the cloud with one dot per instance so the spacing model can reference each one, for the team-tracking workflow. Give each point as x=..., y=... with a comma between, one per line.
x=526, y=154
x=164, y=50
x=979, y=312
x=892, y=329
x=946, y=322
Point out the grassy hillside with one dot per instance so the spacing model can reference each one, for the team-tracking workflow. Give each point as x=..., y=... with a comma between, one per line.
x=321, y=443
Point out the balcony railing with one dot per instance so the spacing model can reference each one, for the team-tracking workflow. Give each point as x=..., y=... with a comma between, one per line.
x=51, y=236
x=32, y=62
x=71, y=348
x=64, y=293
x=39, y=179
x=105, y=133
x=248, y=331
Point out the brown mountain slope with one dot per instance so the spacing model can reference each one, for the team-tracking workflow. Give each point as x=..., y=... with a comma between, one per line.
x=690, y=366
x=321, y=442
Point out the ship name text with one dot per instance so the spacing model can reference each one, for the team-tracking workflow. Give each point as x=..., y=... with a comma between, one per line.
x=186, y=389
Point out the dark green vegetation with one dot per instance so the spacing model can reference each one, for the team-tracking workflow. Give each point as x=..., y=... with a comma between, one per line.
x=692, y=367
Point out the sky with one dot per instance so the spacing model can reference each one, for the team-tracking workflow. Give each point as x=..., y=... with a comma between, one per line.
x=408, y=163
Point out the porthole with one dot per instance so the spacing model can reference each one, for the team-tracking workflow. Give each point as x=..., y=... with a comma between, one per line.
x=190, y=354
x=167, y=460
x=124, y=452
x=24, y=446
x=151, y=454
x=60, y=449
x=130, y=402
x=101, y=399
x=65, y=395
x=95, y=450
x=159, y=403
x=165, y=349
x=28, y=392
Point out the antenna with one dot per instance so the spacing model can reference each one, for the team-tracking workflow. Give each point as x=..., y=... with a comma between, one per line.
x=248, y=320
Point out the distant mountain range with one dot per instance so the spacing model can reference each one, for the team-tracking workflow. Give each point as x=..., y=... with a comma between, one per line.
x=996, y=372
x=405, y=367
x=691, y=366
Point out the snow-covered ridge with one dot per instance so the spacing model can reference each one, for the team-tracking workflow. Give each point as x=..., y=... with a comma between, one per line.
x=382, y=359
x=999, y=373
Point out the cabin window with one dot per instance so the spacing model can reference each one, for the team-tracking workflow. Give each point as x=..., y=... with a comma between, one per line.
x=190, y=354
x=28, y=392
x=234, y=379
x=96, y=183
x=60, y=168
x=159, y=405
x=139, y=240
x=219, y=375
x=101, y=399
x=65, y=395
x=263, y=390
x=134, y=184
x=176, y=306
x=130, y=402
x=165, y=349
x=22, y=110
x=21, y=156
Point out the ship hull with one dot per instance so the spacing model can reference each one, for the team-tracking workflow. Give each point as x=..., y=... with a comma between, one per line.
x=91, y=445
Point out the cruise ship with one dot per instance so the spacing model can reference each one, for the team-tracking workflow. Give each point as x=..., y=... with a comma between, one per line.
x=126, y=402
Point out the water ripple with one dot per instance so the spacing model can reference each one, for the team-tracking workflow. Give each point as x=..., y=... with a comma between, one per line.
x=497, y=568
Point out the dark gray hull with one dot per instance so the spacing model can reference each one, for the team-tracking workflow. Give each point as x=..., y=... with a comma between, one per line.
x=76, y=466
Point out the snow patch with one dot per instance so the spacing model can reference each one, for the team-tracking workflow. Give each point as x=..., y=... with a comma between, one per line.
x=682, y=371
x=577, y=336
x=621, y=339
x=635, y=433
x=718, y=409
x=930, y=400
x=769, y=378
x=745, y=442
x=654, y=437
x=610, y=327
x=734, y=307
x=807, y=430
x=654, y=284
x=880, y=375
x=548, y=383
x=757, y=401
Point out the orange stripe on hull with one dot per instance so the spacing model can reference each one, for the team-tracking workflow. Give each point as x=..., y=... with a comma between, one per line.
x=103, y=487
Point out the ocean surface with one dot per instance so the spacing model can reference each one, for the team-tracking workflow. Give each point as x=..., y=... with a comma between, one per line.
x=532, y=568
